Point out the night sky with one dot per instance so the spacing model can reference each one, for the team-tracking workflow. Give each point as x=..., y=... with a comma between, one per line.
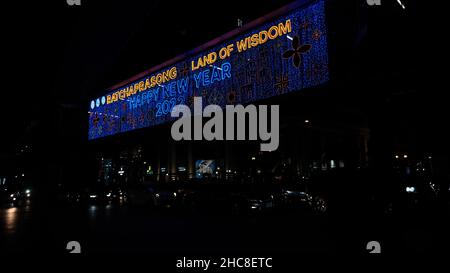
x=387, y=68
x=63, y=55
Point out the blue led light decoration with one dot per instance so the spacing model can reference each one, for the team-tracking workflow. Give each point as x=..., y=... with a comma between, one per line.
x=293, y=60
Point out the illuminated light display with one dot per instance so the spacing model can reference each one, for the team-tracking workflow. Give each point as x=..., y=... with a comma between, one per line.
x=205, y=168
x=210, y=76
x=281, y=54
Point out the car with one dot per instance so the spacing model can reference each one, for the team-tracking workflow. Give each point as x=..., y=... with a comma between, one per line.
x=259, y=203
x=165, y=195
x=296, y=196
x=255, y=198
x=140, y=196
x=94, y=196
x=73, y=197
x=116, y=195
x=210, y=198
x=14, y=198
x=26, y=194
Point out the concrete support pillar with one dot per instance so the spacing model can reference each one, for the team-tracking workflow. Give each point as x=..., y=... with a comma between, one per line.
x=295, y=143
x=190, y=161
x=172, y=160
x=365, y=149
x=158, y=164
x=228, y=158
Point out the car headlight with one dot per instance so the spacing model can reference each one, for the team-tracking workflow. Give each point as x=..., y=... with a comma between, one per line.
x=12, y=195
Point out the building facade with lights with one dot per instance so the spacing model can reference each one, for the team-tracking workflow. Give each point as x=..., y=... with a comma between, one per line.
x=283, y=58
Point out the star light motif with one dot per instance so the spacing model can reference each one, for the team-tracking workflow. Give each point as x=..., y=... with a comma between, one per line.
x=282, y=83
x=185, y=70
x=316, y=34
x=305, y=24
x=96, y=120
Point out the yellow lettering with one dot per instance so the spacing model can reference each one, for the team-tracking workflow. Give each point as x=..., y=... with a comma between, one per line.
x=263, y=37
x=193, y=66
x=159, y=78
x=254, y=40
x=230, y=49
x=212, y=57
x=273, y=32
x=241, y=45
x=166, y=76
x=284, y=29
x=173, y=73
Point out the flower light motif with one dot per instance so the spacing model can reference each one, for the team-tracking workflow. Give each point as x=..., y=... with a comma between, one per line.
x=296, y=51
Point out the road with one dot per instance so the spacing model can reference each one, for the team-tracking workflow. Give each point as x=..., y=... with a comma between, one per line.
x=119, y=228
